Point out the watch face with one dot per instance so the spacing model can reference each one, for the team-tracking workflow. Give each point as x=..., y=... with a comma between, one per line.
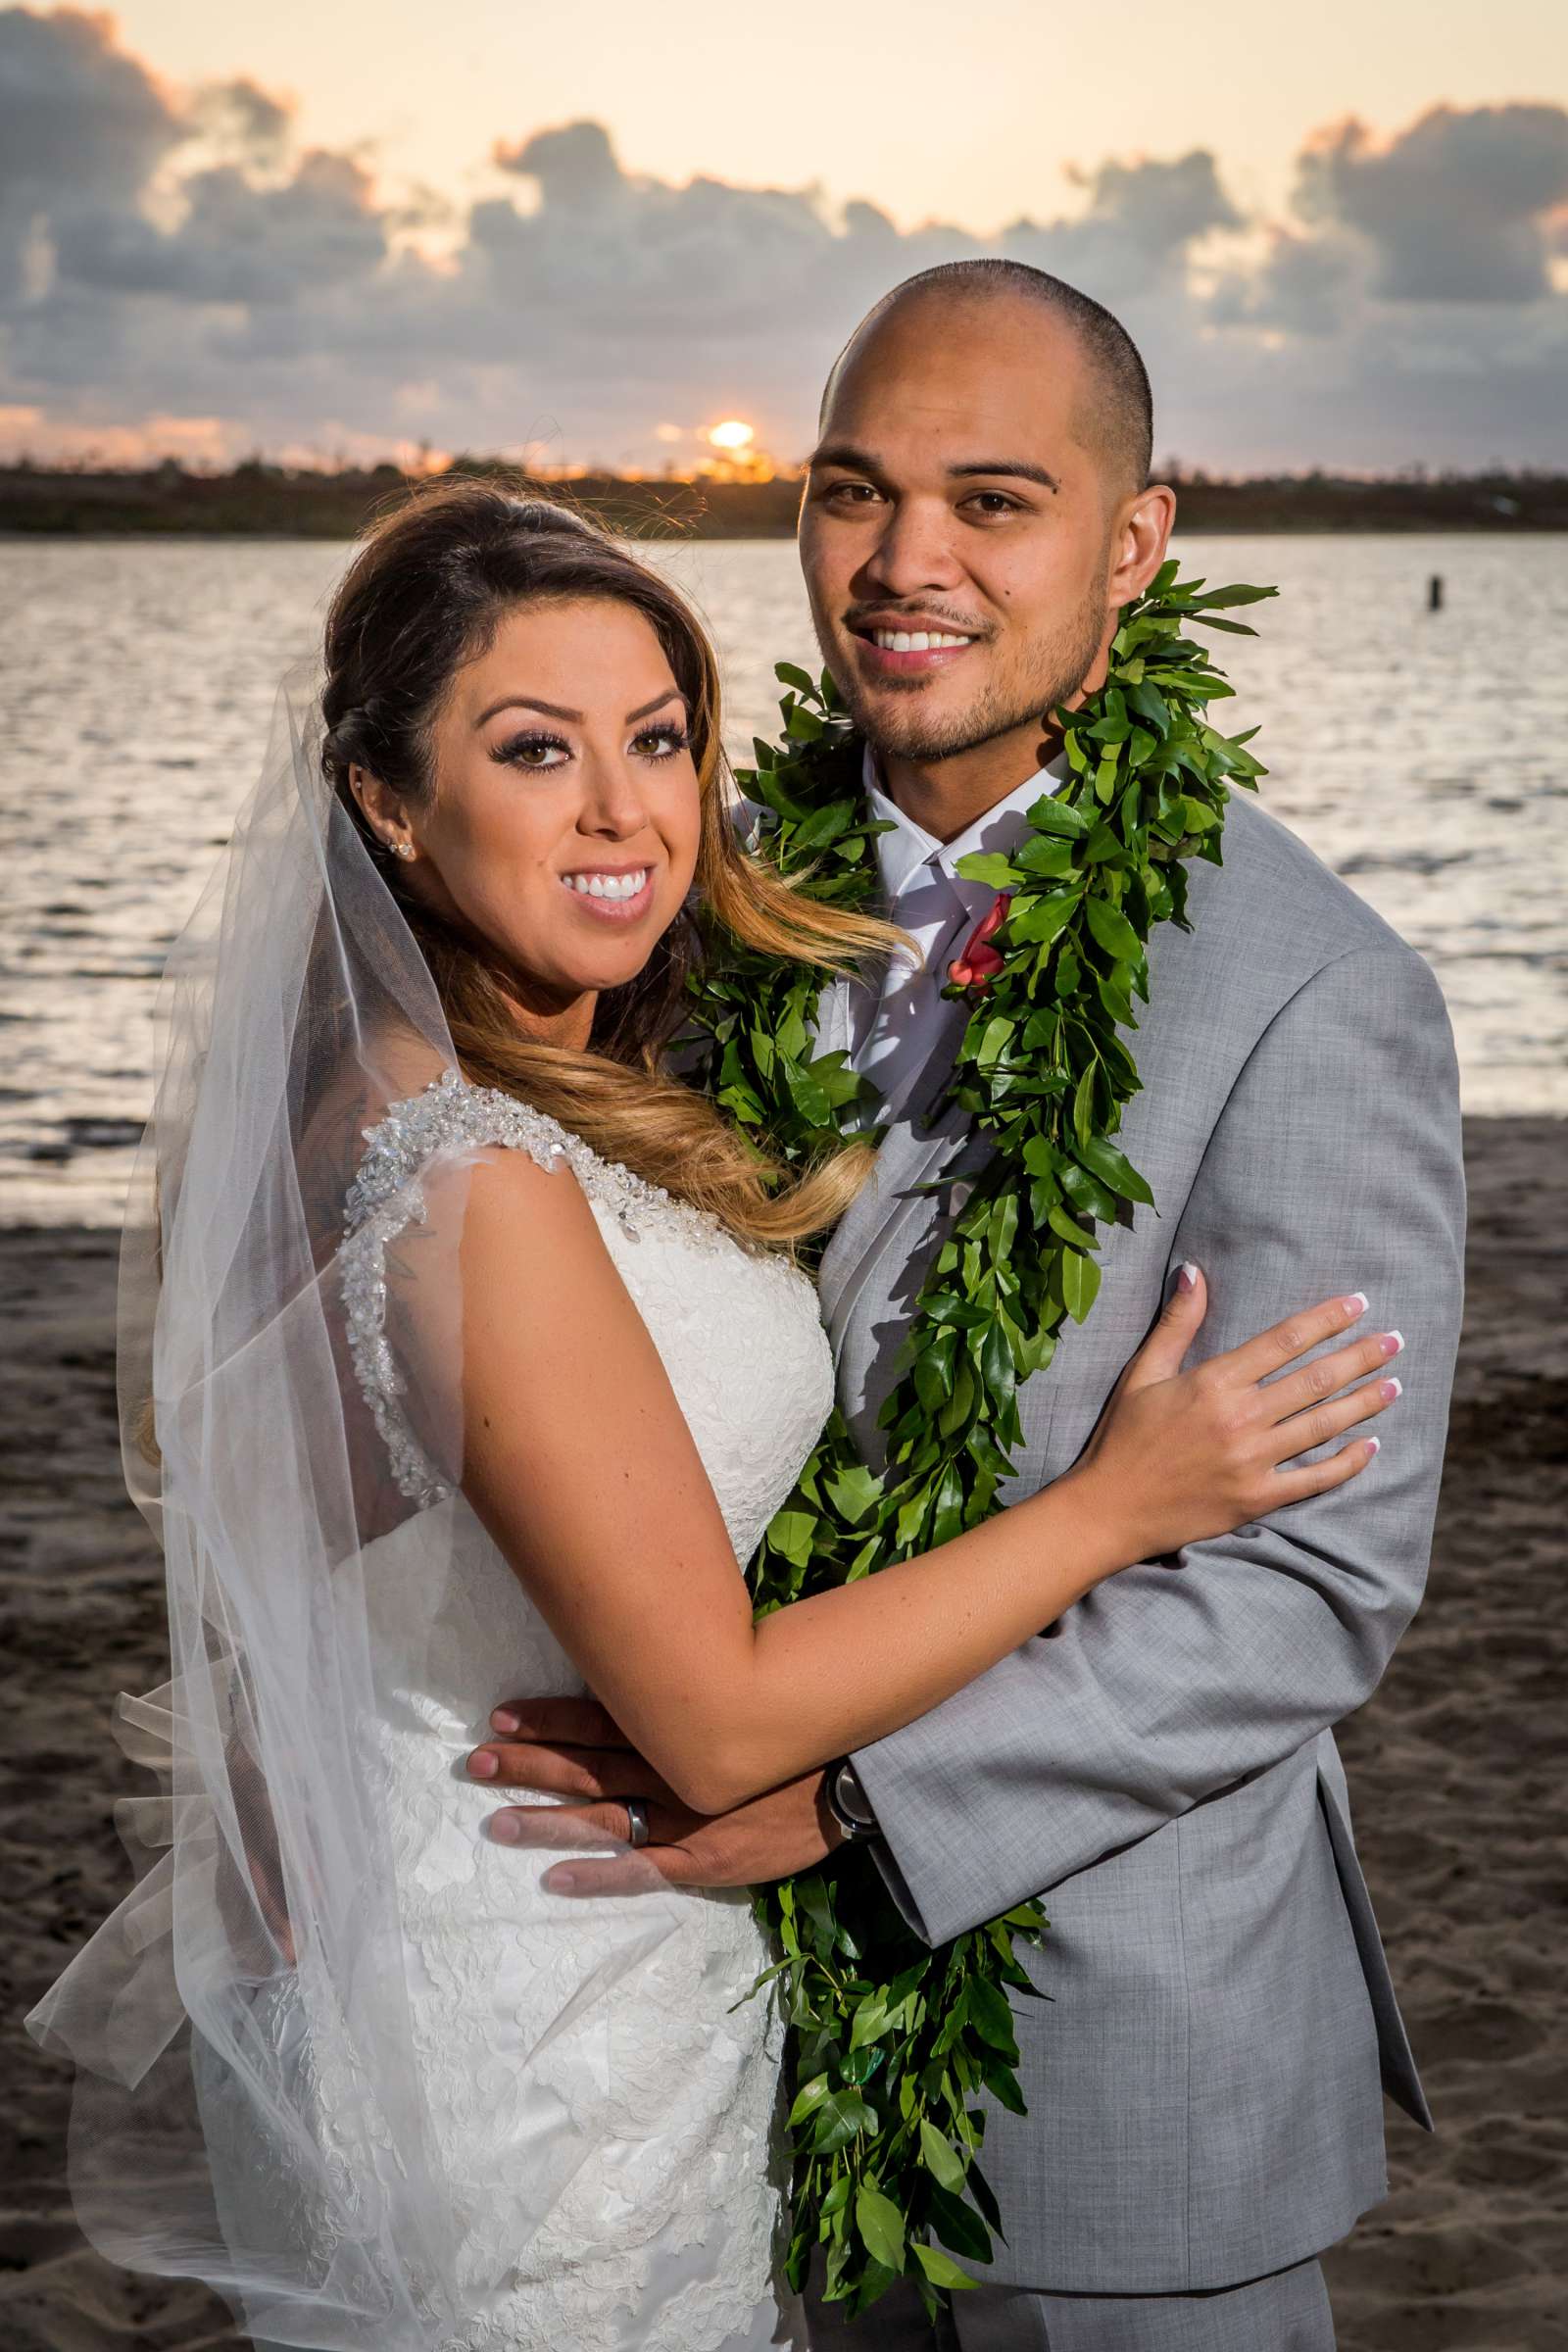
x=851, y=1802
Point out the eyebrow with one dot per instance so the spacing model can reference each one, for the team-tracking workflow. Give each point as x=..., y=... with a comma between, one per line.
x=528, y=702
x=861, y=460
x=1019, y=467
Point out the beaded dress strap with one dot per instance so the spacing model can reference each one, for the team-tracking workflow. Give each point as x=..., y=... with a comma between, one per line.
x=387, y=1195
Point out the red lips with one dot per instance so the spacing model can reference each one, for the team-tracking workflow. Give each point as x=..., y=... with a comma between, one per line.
x=977, y=961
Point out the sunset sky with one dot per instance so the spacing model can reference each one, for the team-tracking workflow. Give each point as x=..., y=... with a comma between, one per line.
x=347, y=228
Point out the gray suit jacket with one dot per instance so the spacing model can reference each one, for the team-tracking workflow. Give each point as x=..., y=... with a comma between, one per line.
x=1203, y=2082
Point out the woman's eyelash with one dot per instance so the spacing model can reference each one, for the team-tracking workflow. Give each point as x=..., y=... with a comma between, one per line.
x=535, y=740
x=674, y=737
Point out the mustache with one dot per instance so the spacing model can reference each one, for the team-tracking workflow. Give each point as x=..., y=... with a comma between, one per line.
x=929, y=616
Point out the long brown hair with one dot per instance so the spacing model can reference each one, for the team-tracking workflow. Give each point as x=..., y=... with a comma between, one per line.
x=423, y=596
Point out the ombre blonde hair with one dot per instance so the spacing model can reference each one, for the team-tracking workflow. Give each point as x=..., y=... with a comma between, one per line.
x=423, y=595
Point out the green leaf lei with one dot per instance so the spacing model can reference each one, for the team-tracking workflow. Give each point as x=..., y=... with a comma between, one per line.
x=893, y=2042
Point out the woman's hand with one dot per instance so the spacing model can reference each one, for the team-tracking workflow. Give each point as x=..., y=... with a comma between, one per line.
x=1181, y=1455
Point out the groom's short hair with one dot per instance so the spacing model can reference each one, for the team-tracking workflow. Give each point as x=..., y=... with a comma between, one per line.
x=1123, y=423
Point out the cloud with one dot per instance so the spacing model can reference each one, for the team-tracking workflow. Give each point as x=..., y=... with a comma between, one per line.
x=1455, y=209
x=1410, y=301
x=575, y=165
x=82, y=126
x=243, y=120
x=74, y=109
x=1303, y=285
x=172, y=255
x=1141, y=221
x=240, y=243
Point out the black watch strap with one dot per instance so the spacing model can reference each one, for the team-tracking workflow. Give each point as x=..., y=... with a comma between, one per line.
x=848, y=1802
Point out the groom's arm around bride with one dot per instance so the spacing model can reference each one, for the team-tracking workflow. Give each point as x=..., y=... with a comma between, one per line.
x=1203, y=2086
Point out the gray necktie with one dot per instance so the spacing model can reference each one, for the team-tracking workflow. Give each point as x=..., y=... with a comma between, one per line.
x=911, y=1032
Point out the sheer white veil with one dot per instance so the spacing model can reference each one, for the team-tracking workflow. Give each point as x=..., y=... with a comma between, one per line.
x=258, y=1971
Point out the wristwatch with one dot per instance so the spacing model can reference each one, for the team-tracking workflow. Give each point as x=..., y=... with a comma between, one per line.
x=848, y=1802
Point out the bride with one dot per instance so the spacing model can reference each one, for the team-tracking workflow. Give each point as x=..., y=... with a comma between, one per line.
x=479, y=1358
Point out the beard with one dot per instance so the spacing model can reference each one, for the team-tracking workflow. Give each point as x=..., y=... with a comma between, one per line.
x=1049, y=674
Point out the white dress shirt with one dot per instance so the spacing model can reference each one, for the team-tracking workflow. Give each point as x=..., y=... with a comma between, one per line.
x=893, y=1036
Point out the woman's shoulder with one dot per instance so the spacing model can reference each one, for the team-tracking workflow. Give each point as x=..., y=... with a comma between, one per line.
x=452, y=1114
x=417, y=1231
x=477, y=1169
x=447, y=1115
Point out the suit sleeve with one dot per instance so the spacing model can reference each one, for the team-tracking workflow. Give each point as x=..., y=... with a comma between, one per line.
x=1334, y=1165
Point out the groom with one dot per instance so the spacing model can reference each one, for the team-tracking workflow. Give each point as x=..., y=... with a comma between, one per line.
x=1204, y=2082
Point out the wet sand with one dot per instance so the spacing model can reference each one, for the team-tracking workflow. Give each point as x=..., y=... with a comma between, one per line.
x=1457, y=1768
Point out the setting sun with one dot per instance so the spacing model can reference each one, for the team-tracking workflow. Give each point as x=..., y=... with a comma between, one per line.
x=732, y=434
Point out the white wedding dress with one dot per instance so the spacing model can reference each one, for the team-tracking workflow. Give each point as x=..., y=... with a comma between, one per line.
x=605, y=2114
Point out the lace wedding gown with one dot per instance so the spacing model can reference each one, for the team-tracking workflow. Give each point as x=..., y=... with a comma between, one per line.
x=595, y=2048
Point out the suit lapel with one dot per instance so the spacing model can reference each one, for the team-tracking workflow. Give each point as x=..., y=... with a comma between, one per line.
x=883, y=1214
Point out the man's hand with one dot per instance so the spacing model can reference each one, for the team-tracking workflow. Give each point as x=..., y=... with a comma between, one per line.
x=570, y=1748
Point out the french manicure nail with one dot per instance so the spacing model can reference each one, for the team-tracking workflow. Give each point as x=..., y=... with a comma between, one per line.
x=1356, y=1303
x=1388, y=1390
x=1187, y=1279
x=1374, y=1444
x=482, y=1764
x=504, y=1829
x=1392, y=1342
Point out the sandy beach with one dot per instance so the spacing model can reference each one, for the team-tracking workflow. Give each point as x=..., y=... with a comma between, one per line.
x=1455, y=1769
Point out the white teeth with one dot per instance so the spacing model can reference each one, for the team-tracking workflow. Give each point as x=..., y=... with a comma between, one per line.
x=608, y=885
x=913, y=640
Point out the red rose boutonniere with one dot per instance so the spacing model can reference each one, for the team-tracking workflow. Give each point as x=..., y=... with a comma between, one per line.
x=977, y=961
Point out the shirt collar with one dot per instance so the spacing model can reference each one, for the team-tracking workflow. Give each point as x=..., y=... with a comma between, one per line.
x=902, y=851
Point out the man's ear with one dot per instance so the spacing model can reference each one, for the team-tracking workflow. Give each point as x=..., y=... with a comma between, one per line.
x=1139, y=541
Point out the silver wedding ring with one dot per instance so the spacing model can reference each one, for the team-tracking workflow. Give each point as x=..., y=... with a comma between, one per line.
x=638, y=1830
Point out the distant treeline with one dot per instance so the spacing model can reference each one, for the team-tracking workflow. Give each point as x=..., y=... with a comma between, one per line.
x=267, y=501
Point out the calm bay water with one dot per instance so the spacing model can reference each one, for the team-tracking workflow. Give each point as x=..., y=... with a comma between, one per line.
x=1423, y=756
